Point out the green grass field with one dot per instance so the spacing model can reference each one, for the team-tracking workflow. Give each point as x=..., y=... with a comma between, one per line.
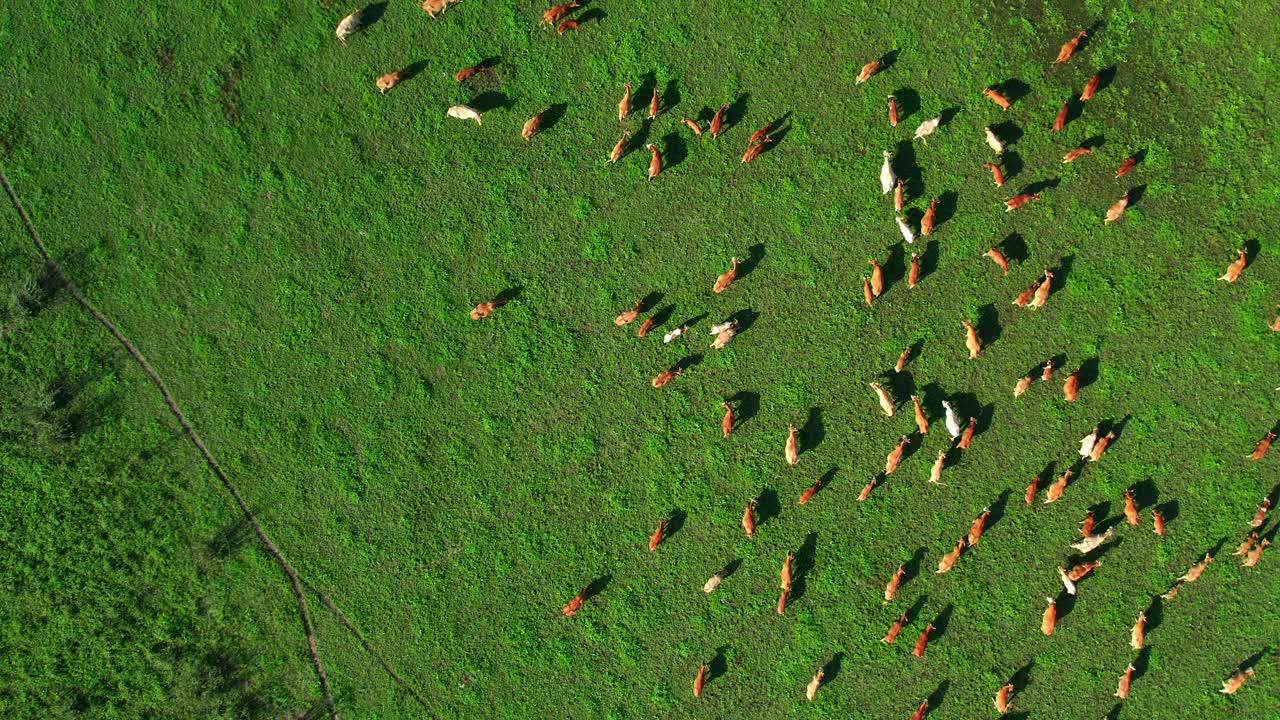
x=297, y=255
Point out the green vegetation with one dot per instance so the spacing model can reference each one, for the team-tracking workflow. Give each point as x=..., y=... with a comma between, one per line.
x=297, y=254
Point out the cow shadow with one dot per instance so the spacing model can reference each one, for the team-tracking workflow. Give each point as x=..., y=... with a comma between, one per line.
x=946, y=206
x=675, y=523
x=908, y=101
x=831, y=670
x=1014, y=247
x=491, y=100
x=748, y=406
x=670, y=96
x=755, y=254
x=813, y=432
x=1009, y=133
x=929, y=260
x=941, y=623
x=1013, y=89
x=1012, y=165
x=907, y=167
x=988, y=325
x=674, y=150
x=719, y=664
x=911, y=568
x=767, y=506
x=552, y=115
x=804, y=560
x=737, y=110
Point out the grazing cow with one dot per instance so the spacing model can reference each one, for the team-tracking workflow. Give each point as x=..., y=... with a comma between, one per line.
x=811, y=691
x=654, y=104
x=692, y=125
x=867, y=293
x=922, y=642
x=464, y=112
x=1256, y=553
x=724, y=332
x=665, y=377
x=482, y=310
x=349, y=26
x=922, y=422
x=1060, y=120
x=1194, y=573
x=952, y=420
x=1157, y=519
x=431, y=7
x=809, y=492
x=971, y=339
x=624, y=105
x=1126, y=166
x=921, y=710
x=894, y=629
x=1261, y=513
x=997, y=98
x=1086, y=525
x=1049, y=620
x=868, y=70
x=1066, y=581
x=674, y=334
x=726, y=279
x=1235, y=268
x=645, y=327
x=1130, y=508
x=700, y=680
x=792, y=451
x=913, y=275
x=1090, y=88
x=1058, y=487
x=886, y=403
x=658, y=535
x=887, y=176
x=726, y=424
x=1069, y=47
x=655, y=161
x=1092, y=542
x=898, y=202
x=927, y=128
x=935, y=473
x=866, y=490
x=906, y=231
x=1025, y=296
x=994, y=142
x=1022, y=385
x=760, y=134
x=877, y=278
x=1122, y=691
x=1019, y=200
x=976, y=528
x=966, y=438
x=1233, y=683
x=576, y=603
x=710, y=585
x=902, y=360
x=467, y=72
x=390, y=80
x=1139, y=633
x=749, y=518
x=1101, y=446
x=566, y=26
x=948, y=560
x=1116, y=211
x=891, y=589
x=784, y=578
x=531, y=127
x=717, y=122
x=1076, y=154
x=1002, y=698
x=893, y=112
x=999, y=259
x=781, y=607
x=1079, y=572
x=630, y=315
x=1047, y=373
x=894, y=457
x=555, y=12
x=1247, y=544
x=1032, y=487
x=619, y=147
x=1260, y=450
x=930, y=218
x=754, y=151
x=1041, y=294
x=1071, y=387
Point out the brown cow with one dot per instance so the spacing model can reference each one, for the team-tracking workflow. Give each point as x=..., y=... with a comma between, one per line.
x=1069, y=47
x=997, y=98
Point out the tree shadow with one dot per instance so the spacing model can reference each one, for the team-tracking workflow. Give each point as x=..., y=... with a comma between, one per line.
x=490, y=100
x=831, y=670
x=1013, y=89
x=804, y=560
x=942, y=622
x=674, y=150
x=552, y=115
x=911, y=568
x=988, y=325
x=908, y=101
x=1014, y=247
x=737, y=110
x=755, y=254
x=767, y=506
x=937, y=696
x=675, y=522
x=719, y=664
x=1011, y=162
x=813, y=432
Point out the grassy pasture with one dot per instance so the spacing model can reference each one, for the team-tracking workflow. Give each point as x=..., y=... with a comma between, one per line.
x=297, y=254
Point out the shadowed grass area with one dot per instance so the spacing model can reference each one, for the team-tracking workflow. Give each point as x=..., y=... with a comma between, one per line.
x=297, y=253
